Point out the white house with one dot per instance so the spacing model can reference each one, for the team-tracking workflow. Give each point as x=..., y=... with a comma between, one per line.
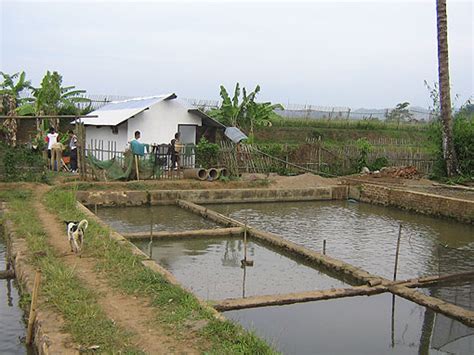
x=157, y=118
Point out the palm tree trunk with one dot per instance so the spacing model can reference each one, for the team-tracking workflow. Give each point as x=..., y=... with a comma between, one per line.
x=10, y=123
x=449, y=153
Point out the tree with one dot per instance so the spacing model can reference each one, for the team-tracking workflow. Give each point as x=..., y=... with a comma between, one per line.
x=400, y=113
x=232, y=112
x=449, y=153
x=11, y=97
x=245, y=113
x=51, y=97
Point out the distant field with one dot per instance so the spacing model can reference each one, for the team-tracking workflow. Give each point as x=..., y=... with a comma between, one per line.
x=336, y=133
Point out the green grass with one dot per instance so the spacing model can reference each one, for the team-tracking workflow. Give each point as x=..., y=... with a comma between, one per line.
x=175, y=309
x=350, y=124
x=84, y=319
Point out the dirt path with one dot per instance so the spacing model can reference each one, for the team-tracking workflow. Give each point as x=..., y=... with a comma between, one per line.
x=130, y=313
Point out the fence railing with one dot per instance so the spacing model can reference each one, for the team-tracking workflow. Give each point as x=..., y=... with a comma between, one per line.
x=157, y=163
x=313, y=156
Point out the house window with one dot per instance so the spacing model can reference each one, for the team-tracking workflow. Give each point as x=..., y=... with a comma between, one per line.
x=114, y=129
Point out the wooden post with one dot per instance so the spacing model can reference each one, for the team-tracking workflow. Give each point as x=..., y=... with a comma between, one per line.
x=245, y=243
x=324, y=247
x=136, y=167
x=34, y=300
x=396, y=254
x=319, y=153
x=150, y=244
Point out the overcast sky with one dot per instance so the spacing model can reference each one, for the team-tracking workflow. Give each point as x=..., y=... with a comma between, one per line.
x=354, y=53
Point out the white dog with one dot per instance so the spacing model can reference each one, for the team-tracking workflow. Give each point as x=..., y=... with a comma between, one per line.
x=75, y=234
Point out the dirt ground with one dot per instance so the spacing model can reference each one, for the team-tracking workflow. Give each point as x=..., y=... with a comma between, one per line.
x=302, y=181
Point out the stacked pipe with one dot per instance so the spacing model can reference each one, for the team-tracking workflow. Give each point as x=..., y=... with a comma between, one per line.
x=203, y=174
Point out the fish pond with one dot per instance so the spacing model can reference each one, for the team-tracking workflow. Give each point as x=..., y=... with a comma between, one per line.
x=381, y=324
x=160, y=218
x=12, y=326
x=365, y=235
x=211, y=268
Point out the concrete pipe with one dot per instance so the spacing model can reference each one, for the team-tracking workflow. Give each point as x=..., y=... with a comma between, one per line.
x=199, y=174
x=223, y=172
x=212, y=174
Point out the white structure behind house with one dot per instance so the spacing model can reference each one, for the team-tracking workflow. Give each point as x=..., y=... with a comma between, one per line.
x=157, y=118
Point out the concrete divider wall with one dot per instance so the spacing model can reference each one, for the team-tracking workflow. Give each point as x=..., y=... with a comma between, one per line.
x=462, y=210
x=166, y=197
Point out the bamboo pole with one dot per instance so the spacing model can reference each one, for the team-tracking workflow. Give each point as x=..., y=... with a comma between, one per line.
x=397, y=253
x=291, y=298
x=136, y=167
x=216, y=232
x=34, y=300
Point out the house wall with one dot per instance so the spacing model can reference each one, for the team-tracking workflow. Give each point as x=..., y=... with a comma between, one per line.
x=160, y=122
x=104, y=133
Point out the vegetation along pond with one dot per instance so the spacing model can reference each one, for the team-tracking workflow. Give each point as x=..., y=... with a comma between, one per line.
x=365, y=235
x=12, y=327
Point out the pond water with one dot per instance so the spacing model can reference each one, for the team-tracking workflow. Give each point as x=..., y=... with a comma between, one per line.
x=365, y=235
x=211, y=268
x=357, y=325
x=12, y=327
x=163, y=218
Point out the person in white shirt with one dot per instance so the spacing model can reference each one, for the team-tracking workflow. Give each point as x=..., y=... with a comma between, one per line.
x=51, y=138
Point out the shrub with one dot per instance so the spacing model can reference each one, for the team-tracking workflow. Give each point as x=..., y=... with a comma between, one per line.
x=22, y=164
x=463, y=139
x=207, y=153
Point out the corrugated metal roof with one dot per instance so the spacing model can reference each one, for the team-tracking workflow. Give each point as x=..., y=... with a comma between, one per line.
x=206, y=120
x=235, y=134
x=117, y=112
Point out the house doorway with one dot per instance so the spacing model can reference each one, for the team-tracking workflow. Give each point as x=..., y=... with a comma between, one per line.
x=188, y=134
x=188, y=138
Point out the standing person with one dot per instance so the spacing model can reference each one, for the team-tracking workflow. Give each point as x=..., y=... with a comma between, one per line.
x=51, y=138
x=73, y=150
x=138, y=150
x=175, y=150
x=137, y=147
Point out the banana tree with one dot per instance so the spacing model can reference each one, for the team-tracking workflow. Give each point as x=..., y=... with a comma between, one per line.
x=260, y=114
x=10, y=93
x=51, y=97
x=232, y=112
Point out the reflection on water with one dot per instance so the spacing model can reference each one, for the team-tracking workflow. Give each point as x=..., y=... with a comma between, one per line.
x=12, y=328
x=366, y=235
x=163, y=218
x=211, y=268
x=356, y=325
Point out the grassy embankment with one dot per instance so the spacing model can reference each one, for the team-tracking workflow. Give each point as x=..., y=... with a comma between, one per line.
x=335, y=133
x=175, y=308
x=60, y=287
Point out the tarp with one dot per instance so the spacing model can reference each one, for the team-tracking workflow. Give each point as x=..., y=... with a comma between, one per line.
x=234, y=134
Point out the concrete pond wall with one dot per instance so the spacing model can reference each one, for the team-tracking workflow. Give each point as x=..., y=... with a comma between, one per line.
x=167, y=197
x=425, y=203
